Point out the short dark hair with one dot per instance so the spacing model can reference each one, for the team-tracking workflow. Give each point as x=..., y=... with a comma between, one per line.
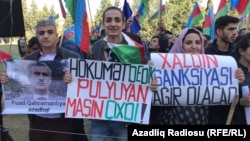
x=155, y=36
x=32, y=41
x=40, y=64
x=207, y=37
x=242, y=43
x=223, y=21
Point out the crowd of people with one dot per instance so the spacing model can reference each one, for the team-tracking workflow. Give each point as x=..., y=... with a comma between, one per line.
x=46, y=46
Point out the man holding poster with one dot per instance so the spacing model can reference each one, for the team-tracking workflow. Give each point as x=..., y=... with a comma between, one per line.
x=118, y=48
x=51, y=126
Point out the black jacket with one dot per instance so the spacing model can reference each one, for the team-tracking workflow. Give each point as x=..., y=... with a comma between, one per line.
x=213, y=49
x=218, y=114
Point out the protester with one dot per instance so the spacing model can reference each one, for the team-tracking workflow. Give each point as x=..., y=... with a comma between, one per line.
x=33, y=45
x=167, y=38
x=22, y=46
x=225, y=32
x=208, y=40
x=154, y=45
x=113, y=24
x=71, y=45
x=158, y=114
x=49, y=127
x=190, y=41
x=242, y=31
x=242, y=54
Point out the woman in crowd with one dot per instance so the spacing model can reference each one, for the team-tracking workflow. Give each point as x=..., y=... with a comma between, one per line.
x=191, y=41
x=242, y=55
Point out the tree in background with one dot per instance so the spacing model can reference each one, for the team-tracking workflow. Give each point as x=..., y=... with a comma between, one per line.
x=98, y=17
x=32, y=14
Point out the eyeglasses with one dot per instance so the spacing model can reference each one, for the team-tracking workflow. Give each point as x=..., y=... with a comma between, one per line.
x=42, y=32
x=37, y=73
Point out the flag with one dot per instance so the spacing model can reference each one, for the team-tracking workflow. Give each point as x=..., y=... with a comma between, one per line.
x=77, y=9
x=62, y=9
x=71, y=6
x=142, y=11
x=195, y=16
x=208, y=26
x=242, y=22
x=96, y=30
x=6, y=40
x=4, y=55
x=95, y=33
x=242, y=6
x=135, y=27
x=54, y=17
x=131, y=53
x=70, y=33
x=246, y=10
x=127, y=10
x=234, y=4
x=155, y=15
x=223, y=9
x=163, y=10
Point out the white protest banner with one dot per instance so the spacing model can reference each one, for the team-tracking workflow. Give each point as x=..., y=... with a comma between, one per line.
x=34, y=87
x=194, y=79
x=109, y=91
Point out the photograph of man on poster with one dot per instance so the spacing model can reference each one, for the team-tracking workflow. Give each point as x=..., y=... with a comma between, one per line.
x=40, y=77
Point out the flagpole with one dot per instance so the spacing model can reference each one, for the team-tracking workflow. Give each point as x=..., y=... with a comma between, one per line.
x=147, y=12
x=248, y=24
x=90, y=14
x=159, y=11
x=63, y=28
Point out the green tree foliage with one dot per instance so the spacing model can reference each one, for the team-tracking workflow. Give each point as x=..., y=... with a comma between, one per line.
x=98, y=17
x=177, y=15
x=32, y=14
x=117, y=3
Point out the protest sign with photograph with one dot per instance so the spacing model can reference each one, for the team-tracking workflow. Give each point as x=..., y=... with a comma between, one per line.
x=34, y=87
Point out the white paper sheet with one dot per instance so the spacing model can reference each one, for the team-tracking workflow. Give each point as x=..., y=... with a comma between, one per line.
x=245, y=90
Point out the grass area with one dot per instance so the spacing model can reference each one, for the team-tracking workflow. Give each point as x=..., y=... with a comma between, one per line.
x=12, y=49
x=17, y=125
